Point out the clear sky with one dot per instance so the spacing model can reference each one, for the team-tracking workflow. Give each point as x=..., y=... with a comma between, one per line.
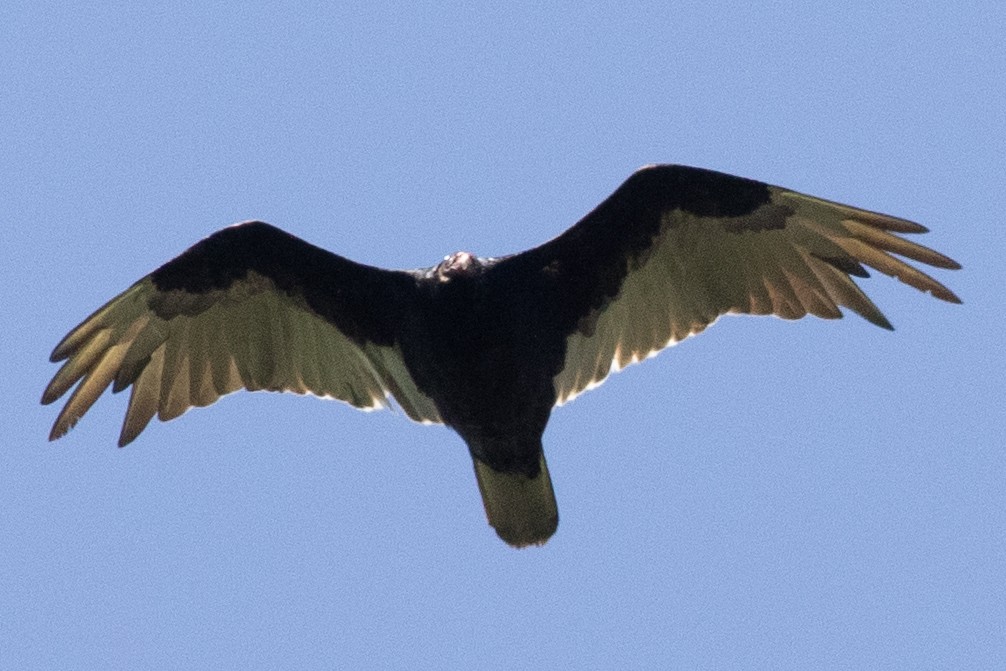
x=814, y=494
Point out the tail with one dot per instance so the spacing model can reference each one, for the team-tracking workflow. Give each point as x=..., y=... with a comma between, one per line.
x=522, y=509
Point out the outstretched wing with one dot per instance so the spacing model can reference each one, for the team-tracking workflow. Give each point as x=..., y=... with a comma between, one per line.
x=676, y=247
x=248, y=307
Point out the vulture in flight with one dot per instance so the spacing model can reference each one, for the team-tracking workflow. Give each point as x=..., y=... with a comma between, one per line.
x=487, y=346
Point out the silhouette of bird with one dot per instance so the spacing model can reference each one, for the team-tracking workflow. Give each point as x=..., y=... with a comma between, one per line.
x=487, y=346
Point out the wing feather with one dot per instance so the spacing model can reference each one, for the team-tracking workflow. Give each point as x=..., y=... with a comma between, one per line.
x=144, y=399
x=261, y=312
x=675, y=247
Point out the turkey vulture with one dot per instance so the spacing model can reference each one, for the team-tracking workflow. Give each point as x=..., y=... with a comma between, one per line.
x=487, y=346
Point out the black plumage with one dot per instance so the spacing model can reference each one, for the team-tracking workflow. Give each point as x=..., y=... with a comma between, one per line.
x=487, y=346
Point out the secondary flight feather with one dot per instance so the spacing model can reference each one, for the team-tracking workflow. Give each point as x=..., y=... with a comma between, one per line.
x=487, y=346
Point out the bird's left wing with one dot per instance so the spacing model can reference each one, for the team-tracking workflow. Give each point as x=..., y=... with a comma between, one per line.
x=249, y=307
x=676, y=247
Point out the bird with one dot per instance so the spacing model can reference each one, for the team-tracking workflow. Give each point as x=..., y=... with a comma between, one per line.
x=487, y=346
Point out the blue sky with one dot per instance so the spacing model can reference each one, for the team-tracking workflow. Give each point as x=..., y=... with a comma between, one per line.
x=768, y=495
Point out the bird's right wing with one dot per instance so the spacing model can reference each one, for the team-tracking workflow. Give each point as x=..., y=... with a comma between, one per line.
x=249, y=307
x=675, y=247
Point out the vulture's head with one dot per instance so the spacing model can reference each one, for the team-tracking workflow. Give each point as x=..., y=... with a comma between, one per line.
x=458, y=264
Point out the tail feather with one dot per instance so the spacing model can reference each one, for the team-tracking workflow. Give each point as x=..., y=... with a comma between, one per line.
x=522, y=509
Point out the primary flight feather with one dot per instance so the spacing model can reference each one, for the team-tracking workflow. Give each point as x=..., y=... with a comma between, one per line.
x=487, y=346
